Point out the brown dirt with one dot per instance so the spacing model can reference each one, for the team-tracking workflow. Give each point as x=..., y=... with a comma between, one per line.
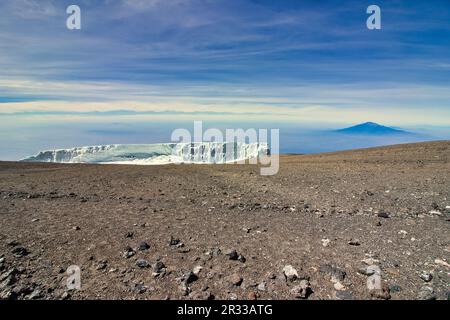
x=80, y=215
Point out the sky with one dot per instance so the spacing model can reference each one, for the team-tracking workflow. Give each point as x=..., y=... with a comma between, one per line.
x=277, y=60
x=287, y=61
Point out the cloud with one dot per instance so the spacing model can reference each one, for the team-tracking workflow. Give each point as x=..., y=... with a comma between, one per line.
x=293, y=60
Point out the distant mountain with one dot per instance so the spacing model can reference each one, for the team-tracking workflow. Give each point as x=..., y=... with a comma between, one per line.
x=371, y=128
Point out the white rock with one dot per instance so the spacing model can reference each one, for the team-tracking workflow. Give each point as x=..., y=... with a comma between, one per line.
x=442, y=263
x=197, y=270
x=262, y=286
x=326, y=242
x=339, y=286
x=290, y=273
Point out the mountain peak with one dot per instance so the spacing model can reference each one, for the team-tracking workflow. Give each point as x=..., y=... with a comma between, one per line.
x=370, y=128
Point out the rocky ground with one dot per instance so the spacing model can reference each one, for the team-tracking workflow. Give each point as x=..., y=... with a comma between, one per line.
x=320, y=229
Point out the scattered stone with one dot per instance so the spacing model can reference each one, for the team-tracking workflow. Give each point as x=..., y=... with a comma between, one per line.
x=142, y=263
x=190, y=277
x=252, y=295
x=241, y=258
x=354, y=242
x=302, y=290
x=66, y=295
x=129, y=252
x=447, y=209
x=159, y=267
x=435, y=213
x=333, y=271
x=326, y=242
x=197, y=270
x=36, y=294
x=426, y=276
x=261, y=286
x=426, y=293
x=338, y=286
x=143, y=246
x=184, y=289
x=367, y=271
x=102, y=265
x=383, y=293
x=140, y=288
x=232, y=254
x=20, y=252
x=383, y=215
x=8, y=278
x=129, y=235
x=442, y=263
x=235, y=279
x=290, y=273
x=76, y=228
x=395, y=288
x=175, y=242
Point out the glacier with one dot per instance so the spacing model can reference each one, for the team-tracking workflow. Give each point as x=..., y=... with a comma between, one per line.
x=155, y=154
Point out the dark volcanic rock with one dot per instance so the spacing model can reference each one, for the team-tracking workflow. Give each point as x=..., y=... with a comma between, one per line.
x=334, y=272
x=20, y=252
x=143, y=246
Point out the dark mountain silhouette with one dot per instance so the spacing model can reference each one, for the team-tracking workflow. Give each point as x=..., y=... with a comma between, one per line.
x=371, y=128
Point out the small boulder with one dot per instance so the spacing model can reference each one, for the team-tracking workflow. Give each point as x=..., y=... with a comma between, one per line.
x=142, y=263
x=290, y=273
x=302, y=290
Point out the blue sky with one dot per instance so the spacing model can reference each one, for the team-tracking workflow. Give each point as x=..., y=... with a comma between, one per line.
x=281, y=61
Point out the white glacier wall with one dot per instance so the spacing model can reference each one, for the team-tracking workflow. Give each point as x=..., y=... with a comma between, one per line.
x=197, y=152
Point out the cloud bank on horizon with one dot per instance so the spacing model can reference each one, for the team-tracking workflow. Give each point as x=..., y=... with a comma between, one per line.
x=279, y=61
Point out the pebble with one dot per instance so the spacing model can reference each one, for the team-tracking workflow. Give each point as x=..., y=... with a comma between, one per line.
x=290, y=273
x=197, y=270
x=142, y=263
x=383, y=293
x=190, y=277
x=383, y=215
x=235, y=279
x=335, y=273
x=241, y=258
x=338, y=286
x=102, y=265
x=175, y=243
x=442, y=263
x=232, y=254
x=140, y=288
x=302, y=290
x=20, y=252
x=426, y=276
x=395, y=288
x=129, y=252
x=354, y=242
x=143, y=246
x=252, y=295
x=159, y=267
x=261, y=286
x=326, y=242
x=36, y=294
